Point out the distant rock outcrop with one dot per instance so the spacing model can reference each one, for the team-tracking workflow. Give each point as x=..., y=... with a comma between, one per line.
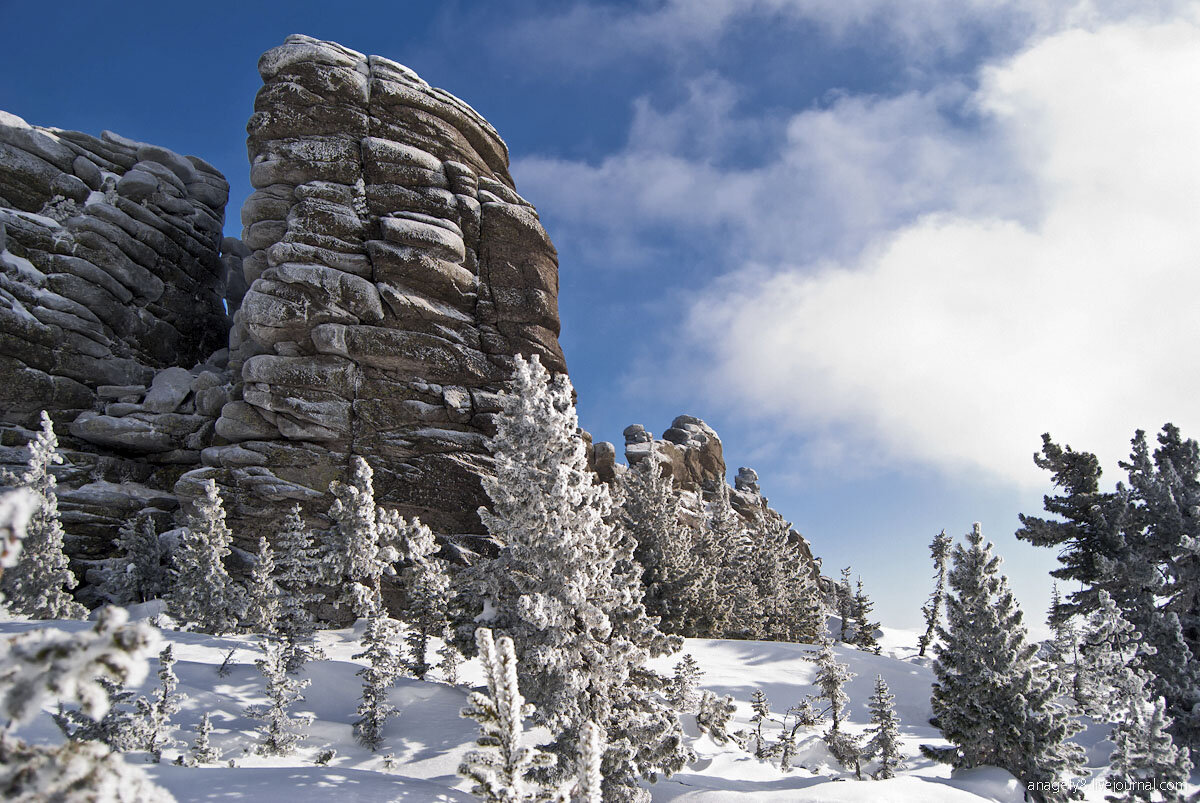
x=691, y=452
x=392, y=274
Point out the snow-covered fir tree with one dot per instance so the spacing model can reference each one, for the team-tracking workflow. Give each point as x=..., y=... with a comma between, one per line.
x=381, y=650
x=844, y=602
x=1106, y=676
x=789, y=598
x=157, y=712
x=993, y=699
x=280, y=731
x=1146, y=764
x=137, y=573
x=263, y=595
x=359, y=549
x=501, y=769
x=449, y=659
x=830, y=679
x=884, y=743
x=38, y=584
x=1062, y=648
x=44, y=664
x=650, y=513
x=426, y=584
x=736, y=610
x=559, y=588
x=202, y=592
x=864, y=628
x=931, y=611
x=202, y=750
x=714, y=714
x=121, y=727
x=684, y=692
x=297, y=560
x=762, y=714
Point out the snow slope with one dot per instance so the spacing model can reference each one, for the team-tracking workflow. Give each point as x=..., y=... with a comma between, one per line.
x=428, y=739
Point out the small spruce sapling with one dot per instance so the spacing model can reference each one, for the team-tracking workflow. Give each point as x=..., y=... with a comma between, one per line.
x=203, y=593
x=38, y=584
x=684, y=691
x=1145, y=757
x=714, y=715
x=864, y=628
x=202, y=751
x=157, y=712
x=845, y=606
x=297, y=563
x=263, y=592
x=280, y=731
x=137, y=575
x=762, y=713
x=884, y=743
x=379, y=675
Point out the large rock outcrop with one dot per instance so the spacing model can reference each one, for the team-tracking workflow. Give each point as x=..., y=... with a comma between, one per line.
x=392, y=273
x=111, y=279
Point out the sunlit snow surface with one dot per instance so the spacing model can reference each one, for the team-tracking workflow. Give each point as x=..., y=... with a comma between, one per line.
x=428, y=739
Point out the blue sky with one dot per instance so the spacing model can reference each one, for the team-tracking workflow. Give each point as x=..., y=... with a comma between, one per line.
x=881, y=247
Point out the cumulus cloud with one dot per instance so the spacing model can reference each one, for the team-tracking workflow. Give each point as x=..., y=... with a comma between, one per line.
x=957, y=338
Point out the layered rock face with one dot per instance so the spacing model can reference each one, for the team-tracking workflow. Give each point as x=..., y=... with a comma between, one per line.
x=111, y=278
x=392, y=274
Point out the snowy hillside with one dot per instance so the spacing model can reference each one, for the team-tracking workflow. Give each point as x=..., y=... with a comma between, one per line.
x=424, y=745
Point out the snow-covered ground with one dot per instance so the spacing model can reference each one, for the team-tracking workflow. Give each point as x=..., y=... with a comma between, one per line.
x=428, y=739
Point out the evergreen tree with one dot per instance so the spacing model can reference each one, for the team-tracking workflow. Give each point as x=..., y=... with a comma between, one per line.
x=939, y=550
x=1145, y=758
x=845, y=607
x=450, y=659
x=762, y=713
x=359, y=550
x=993, y=700
x=714, y=715
x=560, y=587
x=830, y=678
x=1062, y=646
x=864, y=628
x=263, y=594
x=119, y=728
x=280, y=730
x=137, y=575
x=296, y=576
x=202, y=750
x=738, y=606
x=884, y=744
x=203, y=593
x=501, y=769
x=157, y=712
x=379, y=675
x=684, y=693
x=427, y=588
x=38, y=585
x=1105, y=671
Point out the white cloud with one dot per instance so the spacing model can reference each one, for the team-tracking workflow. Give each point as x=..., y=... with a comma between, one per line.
x=958, y=338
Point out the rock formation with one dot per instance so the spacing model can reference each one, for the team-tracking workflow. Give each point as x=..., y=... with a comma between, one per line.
x=111, y=278
x=393, y=272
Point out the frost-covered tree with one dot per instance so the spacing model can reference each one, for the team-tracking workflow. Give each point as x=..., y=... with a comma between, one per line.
x=381, y=650
x=137, y=573
x=939, y=550
x=202, y=751
x=359, y=550
x=736, y=611
x=1145, y=759
x=559, y=587
x=684, y=692
x=1106, y=675
x=202, y=593
x=1063, y=645
x=993, y=699
x=263, y=595
x=47, y=663
x=156, y=712
x=426, y=584
x=38, y=584
x=864, y=628
x=762, y=713
x=280, y=731
x=120, y=728
x=500, y=770
x=884, y=743
x=714, y=715
x=844, y=601
x=589, y=786
x=449, y=659
x=830, y=678
x=297, y=561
